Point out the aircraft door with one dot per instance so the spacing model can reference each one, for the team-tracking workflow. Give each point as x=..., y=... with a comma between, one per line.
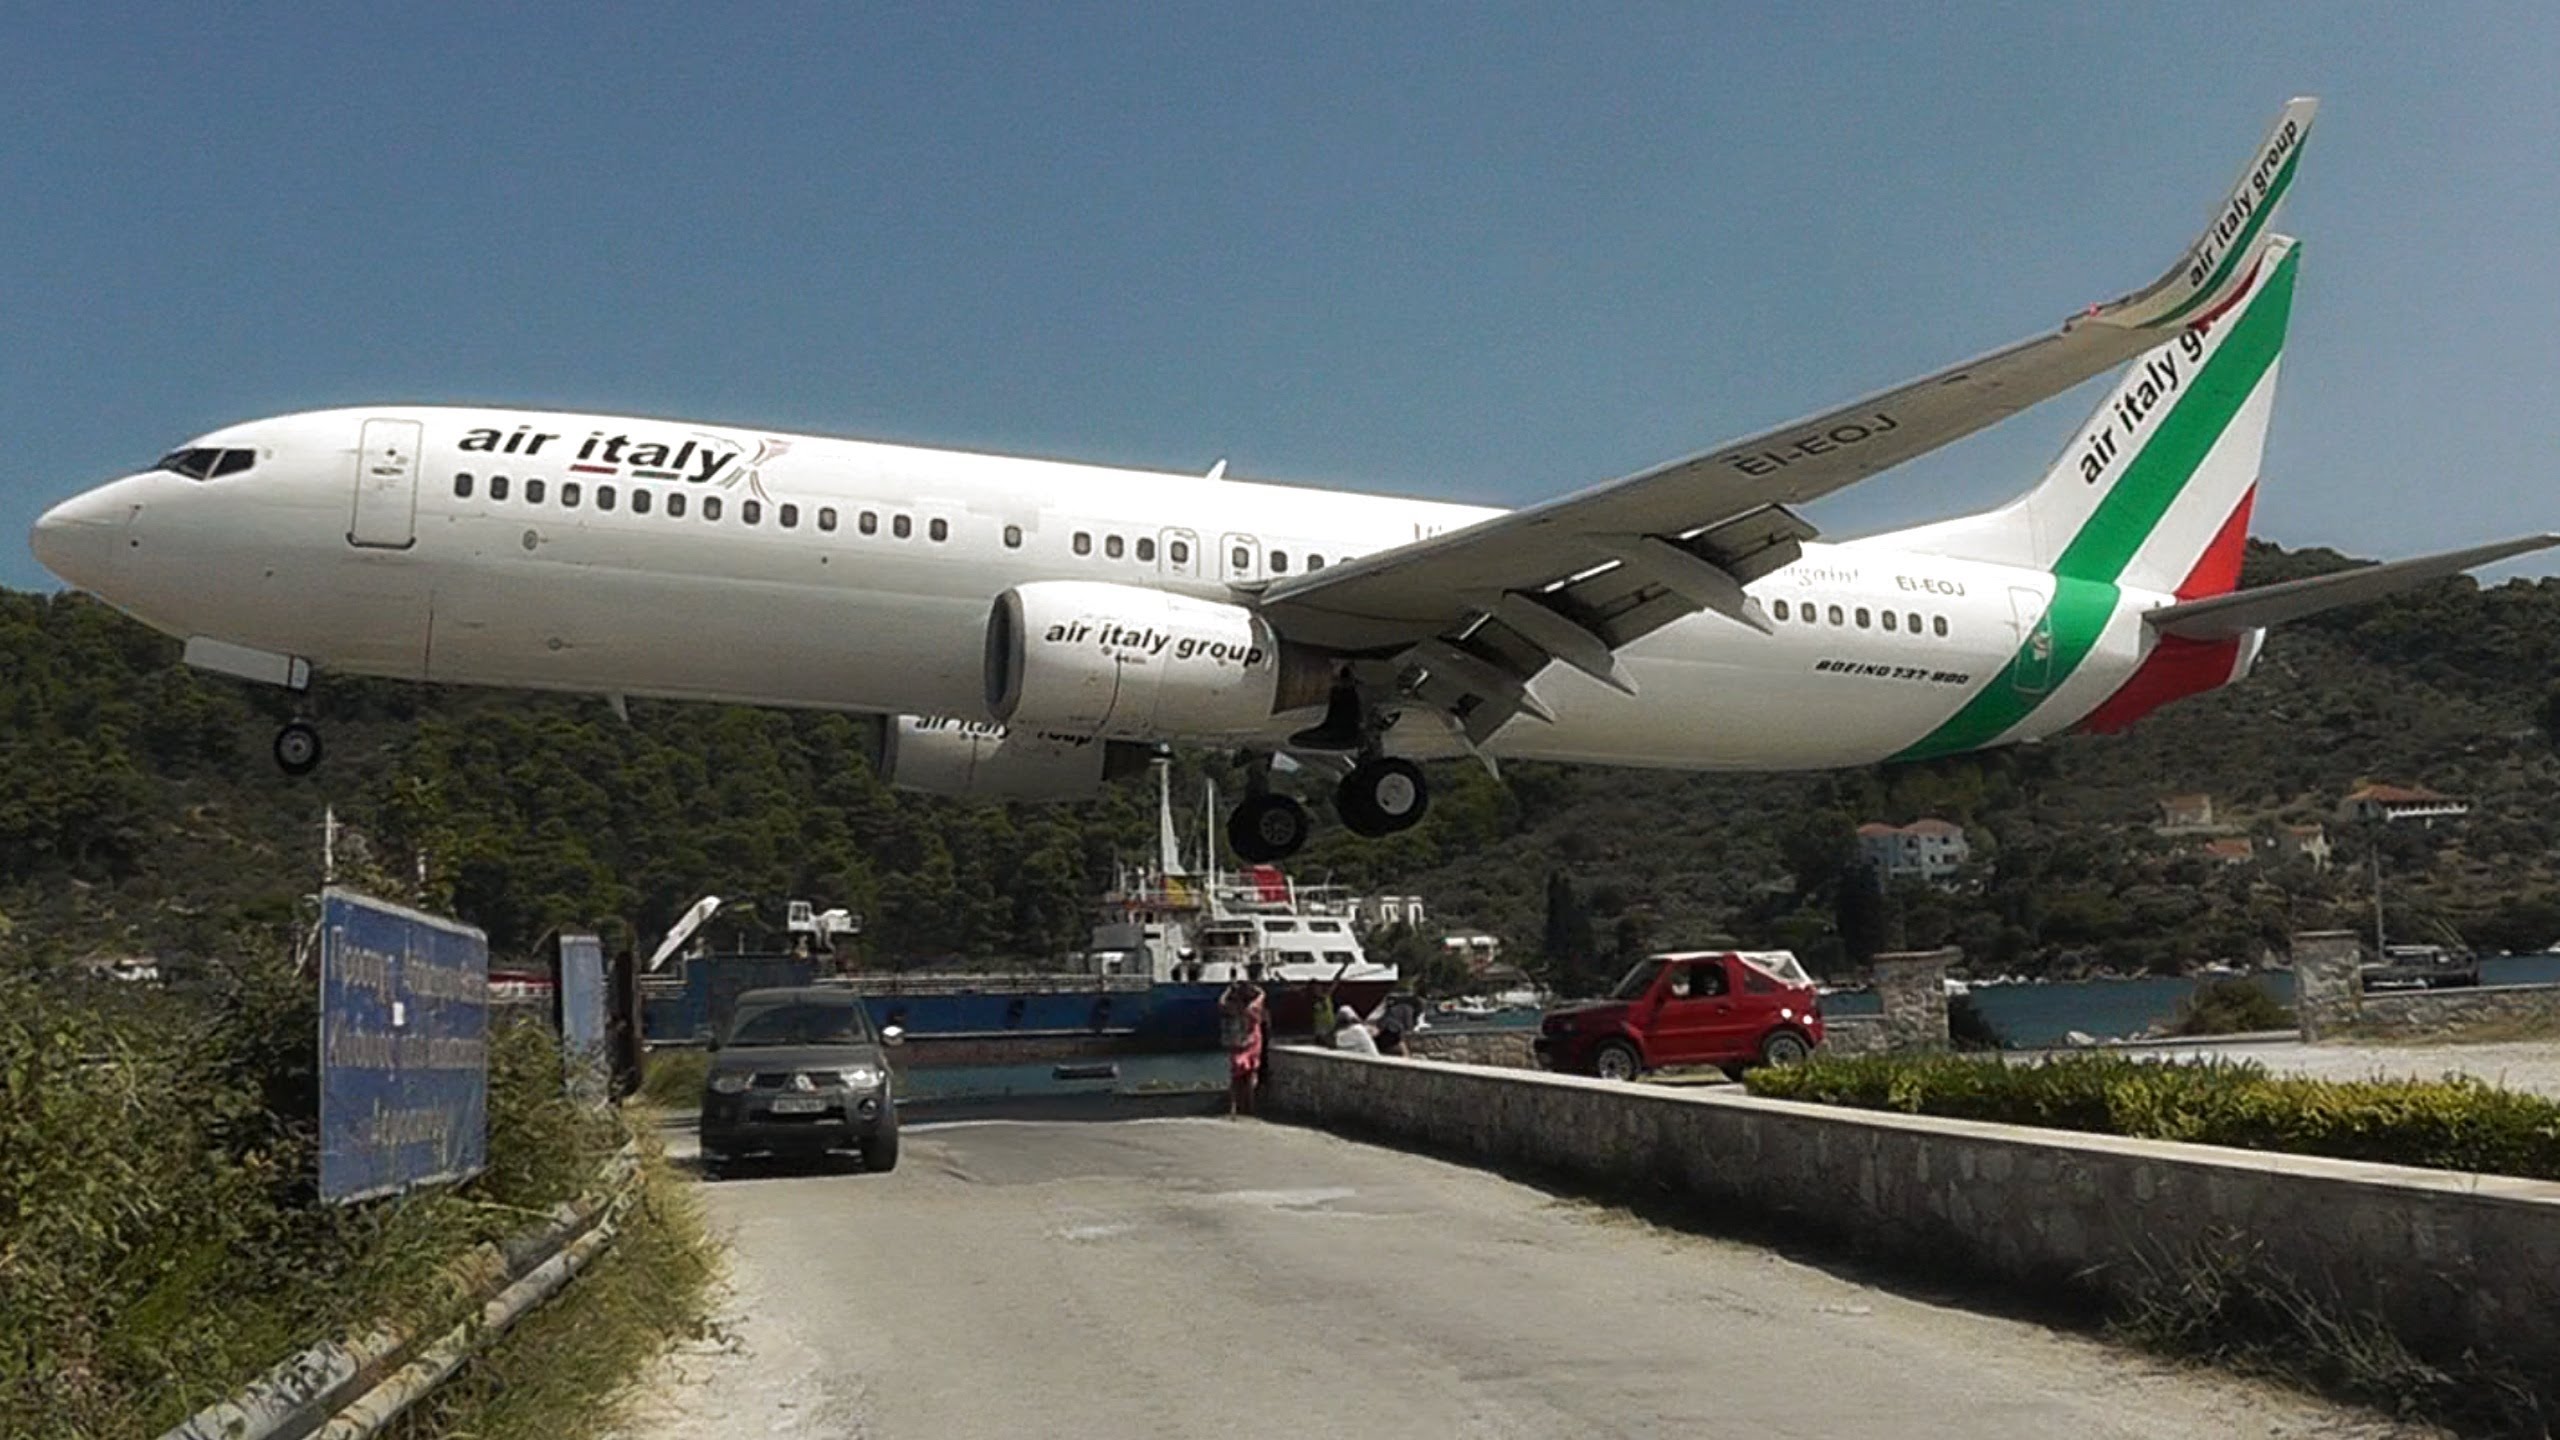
x=1240, y=558
x=2032, y=671
x=386, y=498
x=1178, y=551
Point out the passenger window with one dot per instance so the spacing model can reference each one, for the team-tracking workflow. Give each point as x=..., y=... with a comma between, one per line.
x=1279, y=562
x=1181, y=552
x=938, y=531
x=1892, y=621
x=901, y=526
x=462, y=486
x=1837, y=618
x=1755, y=983
x=569, y=493
x=1779, y=609
x=1111, y=546
x=1862, y=617
x=1240, y=560
x=1709, y=979
x=1084, y=543
x=497, y=487
x=1146, y=549
x=827, y=517
x=1013, y=537
x=640, y=501
x=1315, y=562
x=751, y=511
x=533, y=492
x=870, y=522
x=710, y=507
x=790, y=515
x=1915, y=622
x=604, y=497
x=675, y=505
x=1939, y=625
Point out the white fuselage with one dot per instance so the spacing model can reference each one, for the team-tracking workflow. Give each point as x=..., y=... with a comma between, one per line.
x=876, y=597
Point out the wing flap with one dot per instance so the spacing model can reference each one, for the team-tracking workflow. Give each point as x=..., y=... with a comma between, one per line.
x=2223, y=616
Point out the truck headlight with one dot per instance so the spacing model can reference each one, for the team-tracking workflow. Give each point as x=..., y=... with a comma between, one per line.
x=730, y=1082
x=860, y=1077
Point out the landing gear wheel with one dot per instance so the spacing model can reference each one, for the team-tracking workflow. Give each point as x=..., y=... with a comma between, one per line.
x=297, y=749
x=1383, y=796
x=1617, y=1060
x=1266, y=828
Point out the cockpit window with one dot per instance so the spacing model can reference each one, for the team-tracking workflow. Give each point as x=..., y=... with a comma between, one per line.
x=206, y=464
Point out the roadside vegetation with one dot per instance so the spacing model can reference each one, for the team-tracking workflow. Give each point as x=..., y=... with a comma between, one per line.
x=2230, y=1005
x=673, y=1078
x=2456, y=1123
x=161, y=1238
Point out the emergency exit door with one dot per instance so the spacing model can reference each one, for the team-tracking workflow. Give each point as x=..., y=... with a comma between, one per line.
x=386, y=498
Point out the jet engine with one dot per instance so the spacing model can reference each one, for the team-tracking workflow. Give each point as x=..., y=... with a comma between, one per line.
x=1082, y=657
x=990, y=762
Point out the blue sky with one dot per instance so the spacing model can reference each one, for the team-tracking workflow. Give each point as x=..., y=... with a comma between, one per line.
x=1480, y=252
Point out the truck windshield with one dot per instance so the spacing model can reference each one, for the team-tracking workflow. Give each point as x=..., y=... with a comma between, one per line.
x=1639, y=980
x=801, y=1022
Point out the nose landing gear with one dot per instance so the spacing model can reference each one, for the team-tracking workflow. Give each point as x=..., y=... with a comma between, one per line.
x=297, y=748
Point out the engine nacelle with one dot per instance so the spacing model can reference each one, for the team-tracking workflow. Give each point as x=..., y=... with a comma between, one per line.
x=969, y=758
x=1081, y=657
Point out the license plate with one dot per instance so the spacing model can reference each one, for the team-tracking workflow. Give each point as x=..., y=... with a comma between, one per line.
x=799, y=1105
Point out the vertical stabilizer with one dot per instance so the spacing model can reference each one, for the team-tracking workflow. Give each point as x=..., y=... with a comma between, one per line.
x=2154, y=491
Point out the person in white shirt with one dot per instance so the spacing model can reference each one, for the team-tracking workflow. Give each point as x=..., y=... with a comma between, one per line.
x=1351, y=1033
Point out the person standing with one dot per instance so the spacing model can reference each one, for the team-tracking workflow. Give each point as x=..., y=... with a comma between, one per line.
x=1243, y=1023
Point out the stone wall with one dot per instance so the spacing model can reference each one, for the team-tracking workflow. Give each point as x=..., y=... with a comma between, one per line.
x=1912, y=985
x=1506, y=1048
x=2450, y=1262
x=2331, y=1001
x=1855, y=1035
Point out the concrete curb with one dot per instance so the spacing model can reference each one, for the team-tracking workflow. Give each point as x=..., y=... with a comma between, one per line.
x=297, y=1398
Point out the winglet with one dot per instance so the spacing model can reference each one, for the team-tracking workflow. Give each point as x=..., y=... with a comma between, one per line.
x=2219, y=264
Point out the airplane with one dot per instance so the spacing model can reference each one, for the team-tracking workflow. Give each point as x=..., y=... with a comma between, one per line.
x=1031, y=628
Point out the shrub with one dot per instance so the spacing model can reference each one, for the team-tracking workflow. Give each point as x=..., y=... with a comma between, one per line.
x=2229, y=1005
x=161, y=1238
x=2456, y=1123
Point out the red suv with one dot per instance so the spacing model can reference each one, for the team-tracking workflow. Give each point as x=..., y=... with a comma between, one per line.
x=1731, y=1009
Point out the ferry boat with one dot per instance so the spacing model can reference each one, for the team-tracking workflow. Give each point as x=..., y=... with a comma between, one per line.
x=1167, y=942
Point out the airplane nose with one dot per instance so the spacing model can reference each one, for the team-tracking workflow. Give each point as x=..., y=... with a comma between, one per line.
x=77, y=538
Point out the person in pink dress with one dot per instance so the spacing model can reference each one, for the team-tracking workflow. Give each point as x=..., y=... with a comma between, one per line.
x=1243, y=1024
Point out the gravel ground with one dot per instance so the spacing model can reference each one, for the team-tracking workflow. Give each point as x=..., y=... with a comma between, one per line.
x=1208, y=1278
x=2522, y=1065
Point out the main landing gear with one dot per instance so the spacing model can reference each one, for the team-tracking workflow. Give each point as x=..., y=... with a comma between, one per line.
x=298, y=748
x=1381, y=796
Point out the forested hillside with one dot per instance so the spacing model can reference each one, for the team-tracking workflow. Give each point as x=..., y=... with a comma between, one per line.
x=140, y=814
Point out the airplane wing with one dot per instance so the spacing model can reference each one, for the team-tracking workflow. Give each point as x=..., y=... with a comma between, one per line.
x=2222, y=616
x=1574, y=579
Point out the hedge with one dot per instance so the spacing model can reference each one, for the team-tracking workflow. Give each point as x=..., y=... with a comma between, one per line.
x=2456, y=1123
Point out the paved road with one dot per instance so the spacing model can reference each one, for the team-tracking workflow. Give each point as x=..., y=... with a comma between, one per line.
x=1203, y=1278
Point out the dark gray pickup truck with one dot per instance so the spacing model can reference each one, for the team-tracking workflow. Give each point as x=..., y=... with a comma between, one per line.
x=801, y=1072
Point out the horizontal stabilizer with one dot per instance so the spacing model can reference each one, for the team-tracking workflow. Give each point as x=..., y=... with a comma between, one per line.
x=2224, y=616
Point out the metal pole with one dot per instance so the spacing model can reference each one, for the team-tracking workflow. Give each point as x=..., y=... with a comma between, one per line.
x=2380, y=955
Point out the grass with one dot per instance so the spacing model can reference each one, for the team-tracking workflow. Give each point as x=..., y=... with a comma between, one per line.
x=2217, y=1301
x=672, y=1079
x=566, y=1370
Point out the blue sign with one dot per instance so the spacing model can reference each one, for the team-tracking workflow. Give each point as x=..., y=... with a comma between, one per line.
x=582, y=1022
x=404, y=1032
